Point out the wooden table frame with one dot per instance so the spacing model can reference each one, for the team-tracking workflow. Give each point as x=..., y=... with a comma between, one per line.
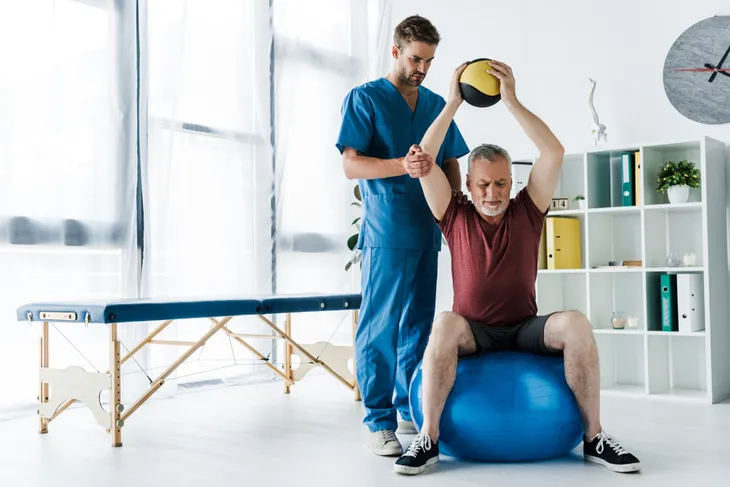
x=75, y=384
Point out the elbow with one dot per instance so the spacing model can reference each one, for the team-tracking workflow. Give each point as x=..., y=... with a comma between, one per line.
x=348, y=169
x=555, y=150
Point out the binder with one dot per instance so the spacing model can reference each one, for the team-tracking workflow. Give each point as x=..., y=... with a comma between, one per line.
x=690, y=303
x=562, y=243
x=668, y=290
x=542, y=251
x=627, y=179
x=638, y=186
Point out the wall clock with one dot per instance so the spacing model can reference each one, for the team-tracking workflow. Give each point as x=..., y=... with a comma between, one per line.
x=697, y=71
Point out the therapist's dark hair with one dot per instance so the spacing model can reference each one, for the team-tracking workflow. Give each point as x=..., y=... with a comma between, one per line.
x=416, y=29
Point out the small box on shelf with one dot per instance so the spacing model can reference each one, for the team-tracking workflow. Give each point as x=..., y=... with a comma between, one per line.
x=614, y=237
x=617, y=301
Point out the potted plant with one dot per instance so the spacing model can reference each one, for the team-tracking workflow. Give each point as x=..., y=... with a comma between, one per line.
x=352, y=241
x=675, y=179
x=581, y=201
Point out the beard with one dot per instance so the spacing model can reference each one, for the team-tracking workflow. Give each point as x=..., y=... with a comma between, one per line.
x=493, y=211
x=411, y=79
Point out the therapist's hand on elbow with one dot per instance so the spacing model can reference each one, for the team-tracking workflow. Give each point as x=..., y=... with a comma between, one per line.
x=417, y=163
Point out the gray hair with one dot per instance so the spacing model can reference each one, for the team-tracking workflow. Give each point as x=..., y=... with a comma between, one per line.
x=488, y=152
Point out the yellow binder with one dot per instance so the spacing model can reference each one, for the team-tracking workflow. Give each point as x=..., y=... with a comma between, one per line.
x=563, y=243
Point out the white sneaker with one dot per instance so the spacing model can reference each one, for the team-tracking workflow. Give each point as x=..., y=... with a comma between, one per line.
x=384, y=443
x=406, y=428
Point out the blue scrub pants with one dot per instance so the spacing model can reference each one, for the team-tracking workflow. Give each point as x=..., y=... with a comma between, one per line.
x=396, y=317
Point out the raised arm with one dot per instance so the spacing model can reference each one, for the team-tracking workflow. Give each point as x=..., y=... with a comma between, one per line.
x=545, y=172
x=435, y=184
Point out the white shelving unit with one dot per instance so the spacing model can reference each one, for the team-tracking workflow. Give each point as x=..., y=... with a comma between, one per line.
x=646, y=361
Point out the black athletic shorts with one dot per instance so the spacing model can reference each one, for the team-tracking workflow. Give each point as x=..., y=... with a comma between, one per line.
x=526, y=336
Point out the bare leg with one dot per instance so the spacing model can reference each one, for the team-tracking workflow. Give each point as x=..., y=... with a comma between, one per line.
x=571, y=332
x=451, y=338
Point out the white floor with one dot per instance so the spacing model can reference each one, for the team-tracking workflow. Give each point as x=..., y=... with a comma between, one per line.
x=255, y=436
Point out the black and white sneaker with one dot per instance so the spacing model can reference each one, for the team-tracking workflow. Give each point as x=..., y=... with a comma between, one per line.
x=605, y=450
x=420, y=454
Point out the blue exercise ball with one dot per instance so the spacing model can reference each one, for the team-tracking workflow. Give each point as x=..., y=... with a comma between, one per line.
x=505, y=407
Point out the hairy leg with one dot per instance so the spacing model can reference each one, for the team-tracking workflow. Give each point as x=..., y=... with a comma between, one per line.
x=571, y=332
x=451, y=338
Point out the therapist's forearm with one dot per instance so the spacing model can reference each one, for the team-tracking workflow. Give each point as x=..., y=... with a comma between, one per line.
x=357, y=166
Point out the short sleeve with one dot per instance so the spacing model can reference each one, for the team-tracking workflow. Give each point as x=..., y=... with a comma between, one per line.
x=450, y=217
x=454, y=144
x=534, y=215
x=356, y=129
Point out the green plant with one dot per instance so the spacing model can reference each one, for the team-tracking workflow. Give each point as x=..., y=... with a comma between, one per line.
x=352, y=241
x=578, y=198
x=678, y=174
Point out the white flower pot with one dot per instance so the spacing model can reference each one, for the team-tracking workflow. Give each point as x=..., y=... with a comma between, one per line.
x=582, y=204
x=678, y=194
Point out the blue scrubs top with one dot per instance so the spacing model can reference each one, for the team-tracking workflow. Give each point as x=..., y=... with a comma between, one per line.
x=377, y=121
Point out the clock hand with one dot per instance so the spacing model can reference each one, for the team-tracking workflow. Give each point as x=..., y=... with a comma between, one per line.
x=719, y=65
x=715, y=71
x=708, y=68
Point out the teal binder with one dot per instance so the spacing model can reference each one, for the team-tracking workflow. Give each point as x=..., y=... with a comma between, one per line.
x=669, y=302
x=628, y=197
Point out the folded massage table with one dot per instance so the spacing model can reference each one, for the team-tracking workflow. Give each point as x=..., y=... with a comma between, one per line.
x=75, y=384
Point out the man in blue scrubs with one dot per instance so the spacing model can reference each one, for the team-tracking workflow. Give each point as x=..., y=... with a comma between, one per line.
x=399, y=239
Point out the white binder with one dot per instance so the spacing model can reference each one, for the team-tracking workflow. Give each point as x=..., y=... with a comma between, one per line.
x=690, y=302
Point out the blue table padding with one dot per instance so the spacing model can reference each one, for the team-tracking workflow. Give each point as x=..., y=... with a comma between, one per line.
x=311, y=302
x=137, y=310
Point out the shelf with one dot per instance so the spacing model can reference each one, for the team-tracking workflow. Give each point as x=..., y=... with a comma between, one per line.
x=611, y=331
x=561, y=271
x=654, y=157
x=617, y=270
x=614, y=236
x=675, y=270
x=616, y=292
x=623, y=390
x=562, y=291
x=691, y=361
x=604, y=178
x=618, y=209
x=676, y=366
x=686, y=298
x=676, y=393
x=571, y=181
x=622, y=362
x=697, y=334
x=671, y=231
x=674, y=207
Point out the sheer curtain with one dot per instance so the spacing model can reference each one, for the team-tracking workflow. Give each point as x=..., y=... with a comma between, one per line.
x=323, y=49
x=67, y=177
x=210, y=169
x=174, y=148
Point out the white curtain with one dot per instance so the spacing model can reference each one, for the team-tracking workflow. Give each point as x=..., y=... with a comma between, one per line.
x=175, y=148
x=68, y=177
x=323, y=49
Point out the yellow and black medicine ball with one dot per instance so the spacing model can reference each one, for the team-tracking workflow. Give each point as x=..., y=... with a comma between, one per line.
x=479, y=88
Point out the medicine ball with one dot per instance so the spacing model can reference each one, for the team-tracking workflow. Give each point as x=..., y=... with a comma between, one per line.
x=479, y=88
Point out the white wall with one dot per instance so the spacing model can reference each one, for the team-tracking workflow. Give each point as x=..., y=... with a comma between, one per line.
x=554, y=46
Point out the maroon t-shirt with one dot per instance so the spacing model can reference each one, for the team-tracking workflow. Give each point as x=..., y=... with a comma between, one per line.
x=494, y=267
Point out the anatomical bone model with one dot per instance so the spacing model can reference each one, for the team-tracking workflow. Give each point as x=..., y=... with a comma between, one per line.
x=598, y=130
